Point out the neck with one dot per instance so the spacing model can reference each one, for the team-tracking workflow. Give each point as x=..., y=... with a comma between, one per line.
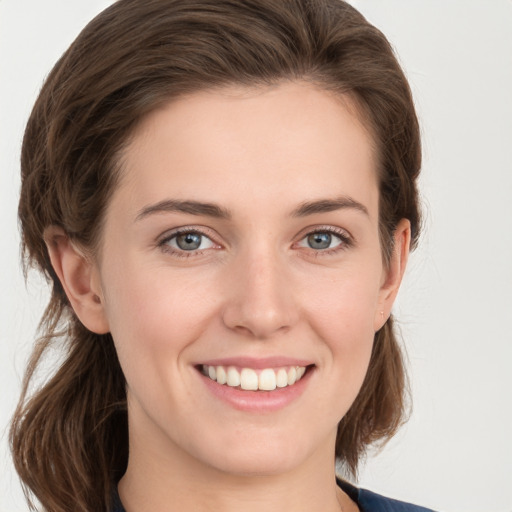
x=161, y=480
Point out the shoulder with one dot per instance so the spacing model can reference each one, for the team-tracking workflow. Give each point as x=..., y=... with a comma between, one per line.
x=369, y=501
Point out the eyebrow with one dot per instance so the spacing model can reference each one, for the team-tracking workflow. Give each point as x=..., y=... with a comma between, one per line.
x=190, y=207
x=217, y=212
x=329, y=205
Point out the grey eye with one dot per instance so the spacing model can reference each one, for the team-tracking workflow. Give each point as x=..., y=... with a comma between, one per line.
x=188, y=241
x=322, y=240
x=319, y=240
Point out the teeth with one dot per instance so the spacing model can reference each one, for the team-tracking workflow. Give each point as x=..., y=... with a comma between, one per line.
x=233, y=379
x=248, y=379
x=267, y=380
x=222, y=377
x=292, y=375
x=282, y=378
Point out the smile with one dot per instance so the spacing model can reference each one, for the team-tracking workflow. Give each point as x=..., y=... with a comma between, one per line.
x=249, y=379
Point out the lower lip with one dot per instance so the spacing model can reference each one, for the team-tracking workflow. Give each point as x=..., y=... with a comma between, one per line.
x=258, y=401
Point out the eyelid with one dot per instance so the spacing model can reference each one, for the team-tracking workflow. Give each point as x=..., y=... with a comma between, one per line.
x=324, y=228
x=200, y=230
x=347, y=240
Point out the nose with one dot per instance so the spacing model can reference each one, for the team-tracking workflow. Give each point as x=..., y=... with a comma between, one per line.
x=260, y=300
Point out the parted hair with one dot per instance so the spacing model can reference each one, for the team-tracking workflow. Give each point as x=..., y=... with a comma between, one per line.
x=69, y=435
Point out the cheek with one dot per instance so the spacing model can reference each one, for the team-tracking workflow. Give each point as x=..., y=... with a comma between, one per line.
x=154, y=315
x=345, y=306
x=343, y=318
x=153, y=321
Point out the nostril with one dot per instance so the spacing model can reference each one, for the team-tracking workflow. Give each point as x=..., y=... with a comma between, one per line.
x=259, y=312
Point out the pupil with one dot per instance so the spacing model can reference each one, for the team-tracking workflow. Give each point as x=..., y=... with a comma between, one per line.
x=319, y=240
x=188, y=241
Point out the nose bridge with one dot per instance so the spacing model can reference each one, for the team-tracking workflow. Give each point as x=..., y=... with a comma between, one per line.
x=260, y=300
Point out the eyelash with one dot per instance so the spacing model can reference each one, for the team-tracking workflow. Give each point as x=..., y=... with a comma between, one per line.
x=181, y=253
x=346, y=241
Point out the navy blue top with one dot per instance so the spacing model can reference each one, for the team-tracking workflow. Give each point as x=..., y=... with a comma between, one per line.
x=367, y=501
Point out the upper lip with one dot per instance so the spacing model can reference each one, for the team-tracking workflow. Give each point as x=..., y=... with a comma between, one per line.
x=257, y=363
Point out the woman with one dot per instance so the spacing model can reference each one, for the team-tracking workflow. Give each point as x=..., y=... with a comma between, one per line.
x=223, y=195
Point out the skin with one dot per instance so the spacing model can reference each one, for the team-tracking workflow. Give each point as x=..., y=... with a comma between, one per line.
x=256, y=288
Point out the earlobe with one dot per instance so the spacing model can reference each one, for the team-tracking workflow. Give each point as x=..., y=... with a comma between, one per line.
x=394, y=272
x=79, y=278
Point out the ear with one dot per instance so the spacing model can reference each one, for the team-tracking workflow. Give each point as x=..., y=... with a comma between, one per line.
x=79, y=278
x=393, y=273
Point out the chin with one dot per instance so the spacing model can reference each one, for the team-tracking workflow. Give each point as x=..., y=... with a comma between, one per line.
x=267, y=457
x=261, y=466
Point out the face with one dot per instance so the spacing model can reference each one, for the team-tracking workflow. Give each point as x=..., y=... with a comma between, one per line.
x=241, y=276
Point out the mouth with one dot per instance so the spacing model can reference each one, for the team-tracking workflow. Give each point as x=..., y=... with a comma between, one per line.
x=255, y=379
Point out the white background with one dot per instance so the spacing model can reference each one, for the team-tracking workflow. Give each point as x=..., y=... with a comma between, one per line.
x=455, y=309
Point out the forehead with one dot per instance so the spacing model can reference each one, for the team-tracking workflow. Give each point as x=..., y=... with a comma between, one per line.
x=251, y=144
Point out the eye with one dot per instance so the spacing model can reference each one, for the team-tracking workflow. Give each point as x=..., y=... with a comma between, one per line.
x=324, y=240
x=188, y=241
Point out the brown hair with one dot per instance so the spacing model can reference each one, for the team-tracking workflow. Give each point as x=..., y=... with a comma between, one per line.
x=69, y=437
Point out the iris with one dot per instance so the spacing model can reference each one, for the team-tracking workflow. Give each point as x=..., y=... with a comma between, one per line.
x=319, y=240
